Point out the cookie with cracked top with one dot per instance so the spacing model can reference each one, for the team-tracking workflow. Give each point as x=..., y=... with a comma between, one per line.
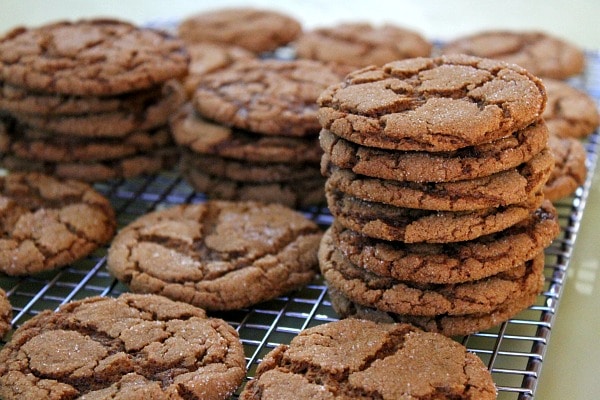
x=133, y=346
x=5, y=313
x=218, y=255
x=254, y=29
x=541, y=53
x=418, y=166
x=570, y=112
x=204, y=137
x=570, y=168
x=96, y=57
x=49, y=223
x=410, y=225
x=432, y=104
x=448, y=263
x=269, y=97
x=361, y=44
x=355, y=358
x=506, y=187
x=482, y=296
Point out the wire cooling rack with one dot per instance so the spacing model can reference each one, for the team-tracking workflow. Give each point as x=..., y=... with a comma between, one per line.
x=514, y=351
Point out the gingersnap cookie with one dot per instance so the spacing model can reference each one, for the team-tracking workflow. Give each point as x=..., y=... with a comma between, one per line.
x=131, y=166
x=500, y=189
x=540, y=53
x=191, y=131
x=95, y=57
x=442, y=166
x=356, y=358
x=449, y=325
x=481, y=296
x=133, y=346
x=570, y=112
x=270, y=97
x=206, y=57
x=214, y=249
x=141, y=116
x=410, y=225
x=36, y=145
x=448, y=263
x=432, y=104
x=5, y=313
x=257, y=30
x=361, y=44
x=48, y=223
x=570, y=169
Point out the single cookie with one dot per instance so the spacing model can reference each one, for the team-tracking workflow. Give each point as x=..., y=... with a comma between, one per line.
x=482, y=296
x=256, y=30
x=35, y=145
x=516, y=185
x=295, y=194
x=130, y=347
x=540, y=53
x=250, y=172
x=5, y=313
x=20, y=100
x=361, y=44
x=270, y=97
x=452, y=262
x=96, y=57
x=570, y=112
x=432, y=104
x=410, y=225
x=570, y=169
x=356, y=358
x=418, y=166
x=48, y=223
x=147, y=163
x=217, y=255
x=208, y=57
x=143, y=116
x=204, y=137
x=449, y=325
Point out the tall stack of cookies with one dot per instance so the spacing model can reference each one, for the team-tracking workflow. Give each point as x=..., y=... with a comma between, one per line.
x=251, y=132
x=89, y=99
x=435, y=170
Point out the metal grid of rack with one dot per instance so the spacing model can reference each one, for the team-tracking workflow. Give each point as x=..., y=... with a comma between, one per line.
x=514, y=351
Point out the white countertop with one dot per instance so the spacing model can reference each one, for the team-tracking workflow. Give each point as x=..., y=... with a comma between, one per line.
x=572, y=364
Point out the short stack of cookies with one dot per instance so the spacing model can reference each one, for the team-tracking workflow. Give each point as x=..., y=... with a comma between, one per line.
x=89, y=99
x=251, y=132
x=435, y=170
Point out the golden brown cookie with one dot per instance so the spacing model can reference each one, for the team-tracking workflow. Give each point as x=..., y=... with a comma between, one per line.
x=482, y=296
x=217, y=255
x=570, y=168
x=94, y=57
x=130, y=347
x=411, y=225
x=48, y=223
x=5, y=313
x=432, y=104
x=356, y=358
x=446, y=263
x=570, y=112
x=361, y=44
x=540, y=53
x=270, y=97
x=442, y=166
x=516, y=185
x=257, y=30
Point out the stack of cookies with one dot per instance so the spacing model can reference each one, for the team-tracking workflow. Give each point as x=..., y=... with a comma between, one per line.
x=251, y=132
x=435, y=170
x=90, y=99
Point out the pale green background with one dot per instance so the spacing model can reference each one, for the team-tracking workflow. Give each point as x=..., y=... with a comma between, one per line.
x=571, y=369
